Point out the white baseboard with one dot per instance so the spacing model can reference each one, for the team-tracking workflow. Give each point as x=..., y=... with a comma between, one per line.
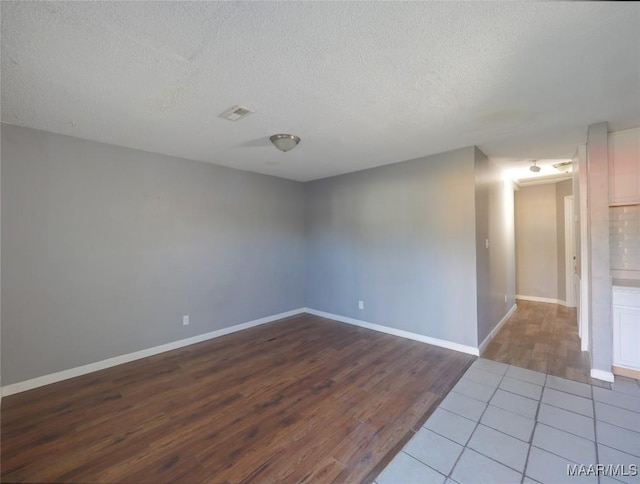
x=602, y=375
x=495, y=330
x=543, y=299
x=397, y=332
x=119, y=360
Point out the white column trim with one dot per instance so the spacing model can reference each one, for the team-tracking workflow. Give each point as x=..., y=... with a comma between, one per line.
x=602, y=375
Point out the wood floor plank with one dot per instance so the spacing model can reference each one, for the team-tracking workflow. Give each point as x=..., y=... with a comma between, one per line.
x=543, y=337
x=303, y=399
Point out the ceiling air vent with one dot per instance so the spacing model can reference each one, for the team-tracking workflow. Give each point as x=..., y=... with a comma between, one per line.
x=236, y=113
x=564, y=166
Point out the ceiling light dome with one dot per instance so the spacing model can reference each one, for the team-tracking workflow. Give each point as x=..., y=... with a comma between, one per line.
x=285, y=142
x=534, y=168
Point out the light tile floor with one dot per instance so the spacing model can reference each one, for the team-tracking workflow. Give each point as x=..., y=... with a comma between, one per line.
x=504, y=424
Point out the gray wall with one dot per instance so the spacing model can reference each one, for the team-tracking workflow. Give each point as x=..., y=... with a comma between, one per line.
x=563, y=189
x=0, y=268
x=105, y=248
x=496, y=263
x=540, y=251
x=600, y=289
x=536, y=241
x=401, y=238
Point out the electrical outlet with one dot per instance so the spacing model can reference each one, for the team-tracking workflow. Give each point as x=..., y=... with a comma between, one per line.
x=486, y=243
x=185, y=320
x=505, y=298
x=360, y=304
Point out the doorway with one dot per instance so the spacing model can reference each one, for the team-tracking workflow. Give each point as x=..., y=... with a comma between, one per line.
x=542, y=334
x=544, y=239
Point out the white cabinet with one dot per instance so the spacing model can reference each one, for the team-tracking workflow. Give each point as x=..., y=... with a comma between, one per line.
x=626, y=327
x=624, y=167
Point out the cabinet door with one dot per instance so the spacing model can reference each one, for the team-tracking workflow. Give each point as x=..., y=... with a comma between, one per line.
x=624, y=166
x=626, y=337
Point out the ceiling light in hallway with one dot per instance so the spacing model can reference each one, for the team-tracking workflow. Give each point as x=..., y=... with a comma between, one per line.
x=285, y=142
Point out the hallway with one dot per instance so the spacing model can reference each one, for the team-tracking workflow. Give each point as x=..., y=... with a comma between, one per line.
x=543, y=337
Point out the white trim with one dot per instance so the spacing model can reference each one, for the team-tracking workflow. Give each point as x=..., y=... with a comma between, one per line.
x=495, y=330
x=583, y=322
x=118, y=360
x=397, y=332
x=579, y=309
x=585, y=270
x=541, y=299
x=542, y=180
x=569, y=251
x=602, y=375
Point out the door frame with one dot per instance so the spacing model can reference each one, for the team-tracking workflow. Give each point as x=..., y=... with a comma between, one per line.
x=569, y=252
x=584, y=318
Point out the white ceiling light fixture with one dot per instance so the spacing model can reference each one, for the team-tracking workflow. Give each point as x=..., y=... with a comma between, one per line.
x=285, y=142
x=534, y=168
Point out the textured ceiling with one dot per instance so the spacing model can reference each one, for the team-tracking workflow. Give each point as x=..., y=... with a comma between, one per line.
x=363, y=84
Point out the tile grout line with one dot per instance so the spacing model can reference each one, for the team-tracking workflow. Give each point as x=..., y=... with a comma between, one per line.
x=618, y=406
x=615, y=424
x=504, y=433
x=564, y=391
x=595, y=431
x=618, y=450
x=487, y=404
x=503, y=389
x=535, y=420
x=533, y=432
x=492, y=428
x=402, y=450
x=423, y=463
x=464, y=446
x=543, y=386
x=551, y=426
x=474, y=428
x=565, y=458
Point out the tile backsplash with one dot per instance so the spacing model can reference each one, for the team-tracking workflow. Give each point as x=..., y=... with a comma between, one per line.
x=624, y=237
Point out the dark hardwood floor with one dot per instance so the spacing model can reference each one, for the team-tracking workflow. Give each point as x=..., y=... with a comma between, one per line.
x=299, y=400
x=543, y=337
